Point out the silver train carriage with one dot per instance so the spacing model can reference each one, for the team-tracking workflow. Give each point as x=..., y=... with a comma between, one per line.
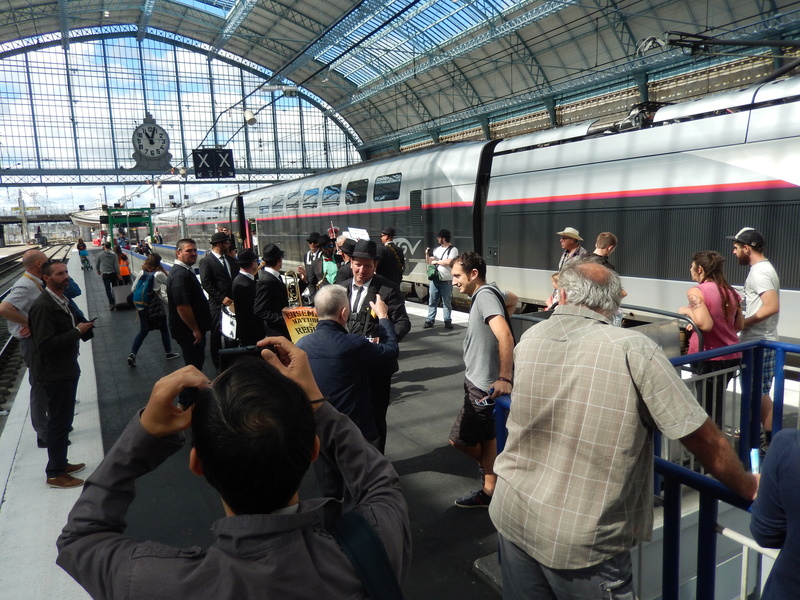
x=678, y=181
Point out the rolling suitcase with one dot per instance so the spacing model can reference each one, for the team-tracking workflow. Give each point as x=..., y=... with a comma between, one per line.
x=121, y=293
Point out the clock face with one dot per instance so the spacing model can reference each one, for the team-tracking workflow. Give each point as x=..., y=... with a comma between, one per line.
x=150, y=141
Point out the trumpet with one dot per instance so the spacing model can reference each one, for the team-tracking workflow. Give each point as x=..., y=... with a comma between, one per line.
x=293, y=289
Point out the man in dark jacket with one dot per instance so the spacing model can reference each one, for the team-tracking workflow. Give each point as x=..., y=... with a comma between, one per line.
x=189, y=314
x=270, y=544
x=362, y=289
x=271, y=294
x=56, y=331
x=391, y=259
x=323, y=269
x=342, y=361
x=217, y=270
x=249, y=328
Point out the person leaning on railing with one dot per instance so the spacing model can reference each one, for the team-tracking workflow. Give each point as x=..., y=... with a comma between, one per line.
x=715, y=308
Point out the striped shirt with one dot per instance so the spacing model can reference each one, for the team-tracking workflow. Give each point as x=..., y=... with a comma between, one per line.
x=575, y=479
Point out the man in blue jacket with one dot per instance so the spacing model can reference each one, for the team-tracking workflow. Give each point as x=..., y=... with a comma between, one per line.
x=342, y=361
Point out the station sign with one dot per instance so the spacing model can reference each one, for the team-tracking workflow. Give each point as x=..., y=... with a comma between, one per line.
x=213, y=163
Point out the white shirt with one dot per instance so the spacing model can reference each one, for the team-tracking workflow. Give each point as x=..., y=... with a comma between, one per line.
x=355, y=308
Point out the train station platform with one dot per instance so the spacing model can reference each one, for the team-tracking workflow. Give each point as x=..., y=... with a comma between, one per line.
x=175, y=507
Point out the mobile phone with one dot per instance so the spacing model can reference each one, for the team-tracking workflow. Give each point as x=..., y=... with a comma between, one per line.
x=92, y=320
x=755, y=461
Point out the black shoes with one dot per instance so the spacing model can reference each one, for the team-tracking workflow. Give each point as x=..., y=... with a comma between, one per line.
x=428, y=325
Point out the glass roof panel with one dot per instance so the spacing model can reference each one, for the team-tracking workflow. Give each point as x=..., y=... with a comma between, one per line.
x=218, y=8
x=405, y=30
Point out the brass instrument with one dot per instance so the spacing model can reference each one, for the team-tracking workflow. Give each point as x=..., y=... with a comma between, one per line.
x=293, y=289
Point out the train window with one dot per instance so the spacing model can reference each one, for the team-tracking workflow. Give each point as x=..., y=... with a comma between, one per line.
x=356, y=192
x=277, y=204
x=293, y=200
x=330, y=195
x=263, y=206
x=310, y=198
x=387, y=187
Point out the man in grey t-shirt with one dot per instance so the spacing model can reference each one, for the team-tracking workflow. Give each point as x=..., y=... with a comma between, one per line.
x=489, y=357
x=761, y=309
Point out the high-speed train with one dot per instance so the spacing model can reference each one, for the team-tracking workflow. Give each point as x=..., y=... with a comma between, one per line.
x=668, y=181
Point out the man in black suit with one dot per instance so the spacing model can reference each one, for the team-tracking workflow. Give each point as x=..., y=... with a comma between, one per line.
x=345, y=271
x=323, y=269
x=361, y=290
x=217, y=270
x=249, y=327
x=271, y=293
x=56, y=332
x=391, y=259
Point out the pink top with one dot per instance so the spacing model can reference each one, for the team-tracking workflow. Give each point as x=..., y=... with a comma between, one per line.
x=723, y=332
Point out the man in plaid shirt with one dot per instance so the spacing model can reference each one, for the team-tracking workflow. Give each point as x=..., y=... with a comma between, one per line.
x=574, y=488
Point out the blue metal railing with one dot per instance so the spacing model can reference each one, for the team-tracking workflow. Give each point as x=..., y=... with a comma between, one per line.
x=711, y=491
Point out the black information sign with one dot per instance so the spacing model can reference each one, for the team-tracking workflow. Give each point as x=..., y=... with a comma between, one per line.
x=213, y=163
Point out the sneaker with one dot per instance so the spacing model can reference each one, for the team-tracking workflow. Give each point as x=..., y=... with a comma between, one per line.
x=477, y=499
x=428, y=325
x=64, y=482
x=131, y=360
x=448, y=324
x=72, y=469
x=171, y=355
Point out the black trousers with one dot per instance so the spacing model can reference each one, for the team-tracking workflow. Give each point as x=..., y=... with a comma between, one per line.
x=215, y=336
x=380, y=389
x=60, y=412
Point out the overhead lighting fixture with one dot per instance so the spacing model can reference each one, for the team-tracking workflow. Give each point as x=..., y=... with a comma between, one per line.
x=249, y=117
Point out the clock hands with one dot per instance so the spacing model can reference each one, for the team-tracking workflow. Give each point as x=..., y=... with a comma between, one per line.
x=149, y=136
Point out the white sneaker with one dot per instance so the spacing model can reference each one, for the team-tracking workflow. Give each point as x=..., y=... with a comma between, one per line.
x=171, y=355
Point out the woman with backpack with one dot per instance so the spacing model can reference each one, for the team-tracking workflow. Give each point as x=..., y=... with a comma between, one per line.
x=150, y=308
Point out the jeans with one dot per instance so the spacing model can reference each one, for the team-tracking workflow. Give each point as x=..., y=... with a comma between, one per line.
x=144, y=329
x=524, y=578
x=60, y=412
x=109, y=281
x=443, y=290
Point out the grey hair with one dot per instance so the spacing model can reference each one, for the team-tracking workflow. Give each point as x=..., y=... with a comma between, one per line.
x=592, y=286
x=329, y=301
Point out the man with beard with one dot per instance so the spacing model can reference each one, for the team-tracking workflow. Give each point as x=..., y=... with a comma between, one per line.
x=761, y=305
x=56, y=331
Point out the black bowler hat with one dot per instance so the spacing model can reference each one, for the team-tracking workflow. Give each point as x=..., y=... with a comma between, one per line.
x=246, y=257
x=272, y=252
x=313, y=238
x=324, y=240
x=365, y=249
x=348, y=246
x=388, y=231
x=219, y=237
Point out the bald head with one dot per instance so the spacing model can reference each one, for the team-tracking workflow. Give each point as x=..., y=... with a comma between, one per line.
x=593, y=286
x=33, y=260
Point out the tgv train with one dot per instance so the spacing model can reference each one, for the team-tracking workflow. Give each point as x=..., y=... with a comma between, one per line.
x=668, y=181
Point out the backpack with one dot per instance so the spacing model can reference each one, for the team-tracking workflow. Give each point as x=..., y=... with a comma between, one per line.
x=143, y=292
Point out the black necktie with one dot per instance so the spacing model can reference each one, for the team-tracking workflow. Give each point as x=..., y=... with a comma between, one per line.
x=358, y=297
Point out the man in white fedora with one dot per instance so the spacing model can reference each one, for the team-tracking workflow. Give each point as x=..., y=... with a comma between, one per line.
x=571, y=245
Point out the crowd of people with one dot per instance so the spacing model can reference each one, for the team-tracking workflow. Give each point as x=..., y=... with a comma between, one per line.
x=569, y=494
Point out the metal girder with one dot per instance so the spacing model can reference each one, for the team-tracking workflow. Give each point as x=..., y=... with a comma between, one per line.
x=144, y=19
x=63, y=22
x=618, y=24
x=235, y=18
x=502, y=30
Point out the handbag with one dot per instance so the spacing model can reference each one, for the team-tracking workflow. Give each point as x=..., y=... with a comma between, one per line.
x=433, y=273
x=156, y=315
